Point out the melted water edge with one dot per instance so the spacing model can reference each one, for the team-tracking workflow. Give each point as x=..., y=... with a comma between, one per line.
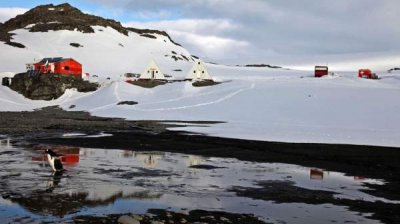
x=111, y=181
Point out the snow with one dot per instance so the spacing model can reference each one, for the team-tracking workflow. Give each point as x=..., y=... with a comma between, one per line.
x=100, y=55
x=254, y=103
x=280, y=107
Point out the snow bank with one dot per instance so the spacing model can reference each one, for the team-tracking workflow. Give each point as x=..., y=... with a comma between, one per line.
x=106, y=53
x=256, y=103
x=266, y=104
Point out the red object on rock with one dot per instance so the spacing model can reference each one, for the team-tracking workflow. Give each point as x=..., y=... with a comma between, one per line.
x=61, y=66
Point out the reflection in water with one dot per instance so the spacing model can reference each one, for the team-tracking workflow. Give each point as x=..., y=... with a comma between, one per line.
x=45, y=203
x=54, y=181
x=101, y=181
x=149, y=159
x=194, y=160
x=5, y=143
x=316, y=174
x=69, y=155
x=61, y=204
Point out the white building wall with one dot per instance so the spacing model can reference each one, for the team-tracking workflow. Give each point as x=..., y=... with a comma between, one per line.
x=198, y=72
x=152, y=72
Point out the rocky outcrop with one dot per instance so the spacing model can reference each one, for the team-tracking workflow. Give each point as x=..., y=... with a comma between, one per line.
x=263, y=65
x=48, y=86
x=64, y=17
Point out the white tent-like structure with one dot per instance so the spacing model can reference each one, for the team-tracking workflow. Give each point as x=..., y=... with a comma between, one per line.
x=152, y=72
x=198, y=72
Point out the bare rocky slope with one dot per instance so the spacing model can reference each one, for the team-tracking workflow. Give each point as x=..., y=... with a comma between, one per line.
x=63, y=17
x=48, y=87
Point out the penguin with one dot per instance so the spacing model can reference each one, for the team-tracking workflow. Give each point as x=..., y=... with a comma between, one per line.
x=54, y=161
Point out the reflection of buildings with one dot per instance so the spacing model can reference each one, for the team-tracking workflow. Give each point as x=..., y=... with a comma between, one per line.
x=127, y=153
x=359, y=178
x=194, y=160
x=69, y=155
x=5, y=143
x=150, y=159
x=316, y=174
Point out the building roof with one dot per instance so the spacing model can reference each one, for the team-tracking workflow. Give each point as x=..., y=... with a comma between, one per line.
x=53, y=60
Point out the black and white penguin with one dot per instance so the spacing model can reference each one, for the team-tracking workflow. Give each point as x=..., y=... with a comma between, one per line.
x=54, y=161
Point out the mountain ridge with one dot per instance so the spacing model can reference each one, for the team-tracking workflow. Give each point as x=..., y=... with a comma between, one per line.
x=44, y=18
x=103, y=46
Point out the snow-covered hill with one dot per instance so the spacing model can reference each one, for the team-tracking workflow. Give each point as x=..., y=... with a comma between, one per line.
x=104, y=47
x=256, y=103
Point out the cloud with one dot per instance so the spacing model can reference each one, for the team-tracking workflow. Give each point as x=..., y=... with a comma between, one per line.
x=266, y=29
x=261, y=31
x=8, y=13
x=204, y=37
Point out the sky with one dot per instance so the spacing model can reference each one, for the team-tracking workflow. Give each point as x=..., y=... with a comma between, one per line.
x=254, y=31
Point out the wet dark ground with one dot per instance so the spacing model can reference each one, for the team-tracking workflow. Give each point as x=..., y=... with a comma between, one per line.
x=364, y=161
x=373, y=162
x=158, y=216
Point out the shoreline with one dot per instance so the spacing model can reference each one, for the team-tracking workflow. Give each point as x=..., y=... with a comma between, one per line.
x=47, y=126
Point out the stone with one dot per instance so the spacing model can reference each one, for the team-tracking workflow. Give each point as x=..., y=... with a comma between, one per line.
x=125, y=219
x=127, y=103
x=224, y=219
x=183, y=212
x=48, y=86
x=137, y=217
x=156, y=222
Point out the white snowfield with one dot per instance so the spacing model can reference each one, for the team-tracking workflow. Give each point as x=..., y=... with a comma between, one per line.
x=105, y=53
x=255, y=103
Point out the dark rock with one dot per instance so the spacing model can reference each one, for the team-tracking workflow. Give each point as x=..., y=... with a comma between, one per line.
x=175, y=58
x=72, y=106
x=127, y=103
x=15, y=44
x=48, y=86
x=5, y=81
x=148, y=83
x=262, y=65
x=201, y=83
x=394, y=69
x=75, y=45
x=205, y=167
x=148, y=36
x=184, y=57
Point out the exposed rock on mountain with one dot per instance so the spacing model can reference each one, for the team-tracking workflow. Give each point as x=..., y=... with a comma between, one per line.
x=48, y=87
x=263, y=65
x=64, y=17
